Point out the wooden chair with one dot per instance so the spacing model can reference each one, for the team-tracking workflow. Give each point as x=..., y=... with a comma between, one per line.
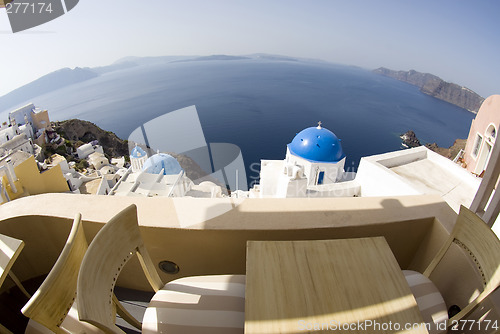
x=10, y=248
x=53, y=305
x=482, y=245
x=174, y=307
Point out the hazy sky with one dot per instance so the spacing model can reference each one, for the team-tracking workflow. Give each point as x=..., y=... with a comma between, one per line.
x=458, y=40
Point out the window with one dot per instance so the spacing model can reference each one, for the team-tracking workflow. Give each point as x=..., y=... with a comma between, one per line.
x=491, y=133
x=477, y=145
x=321, y=176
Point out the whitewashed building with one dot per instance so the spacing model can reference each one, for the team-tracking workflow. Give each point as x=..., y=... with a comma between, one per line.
x=87, y=149
x=98, y=160
x=22, y=115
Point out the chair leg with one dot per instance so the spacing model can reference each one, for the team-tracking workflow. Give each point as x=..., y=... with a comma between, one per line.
x=18, y=283
x=4, y=330
x=122, y=312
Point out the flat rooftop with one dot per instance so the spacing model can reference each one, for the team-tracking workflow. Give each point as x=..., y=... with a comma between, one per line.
x=417, y=171
x=429, y=177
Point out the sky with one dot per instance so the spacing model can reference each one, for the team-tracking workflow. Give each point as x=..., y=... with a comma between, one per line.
x=458, y=40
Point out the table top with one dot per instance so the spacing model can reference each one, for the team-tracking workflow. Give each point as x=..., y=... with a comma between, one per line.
x=9, y=251
x=309, y=286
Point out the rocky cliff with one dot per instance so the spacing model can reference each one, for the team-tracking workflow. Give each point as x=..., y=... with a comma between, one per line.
x=434, y=86
x=81, y=132
x=410, y=140
x=450, y=152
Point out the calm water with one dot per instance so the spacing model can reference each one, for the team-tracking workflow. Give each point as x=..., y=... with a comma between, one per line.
x=260, y=105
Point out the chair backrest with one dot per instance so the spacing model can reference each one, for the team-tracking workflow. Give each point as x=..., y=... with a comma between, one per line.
x=108, y=253
x=480, y=243
x=9, y=251
x=52, y=301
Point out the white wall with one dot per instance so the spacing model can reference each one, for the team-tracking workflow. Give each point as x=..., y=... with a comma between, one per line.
x=103, y=188
x=8, y=133
x=376, y=179
x=340, y=189
x=87, y=149
x=333, y=171
x=18, y=114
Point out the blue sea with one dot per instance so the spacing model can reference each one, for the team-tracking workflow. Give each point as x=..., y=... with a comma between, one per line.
x=259, y=105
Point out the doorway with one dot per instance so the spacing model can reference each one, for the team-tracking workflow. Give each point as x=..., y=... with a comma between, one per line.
x=484, y=158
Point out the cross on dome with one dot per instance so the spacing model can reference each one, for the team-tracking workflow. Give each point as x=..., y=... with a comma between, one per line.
x=319, y=125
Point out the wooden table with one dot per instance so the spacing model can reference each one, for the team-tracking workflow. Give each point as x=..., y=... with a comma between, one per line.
x=309, y=286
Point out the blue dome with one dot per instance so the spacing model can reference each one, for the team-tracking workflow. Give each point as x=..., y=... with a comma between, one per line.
x=317, y=144
x=160, y=161
x=137, y=152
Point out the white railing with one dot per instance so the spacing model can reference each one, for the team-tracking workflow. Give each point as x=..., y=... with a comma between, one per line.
x=171, y=193
x=459, y=155
x=113, y=190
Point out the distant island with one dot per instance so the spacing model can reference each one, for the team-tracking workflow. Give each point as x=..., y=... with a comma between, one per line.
x=214, y=57
x=434, y=86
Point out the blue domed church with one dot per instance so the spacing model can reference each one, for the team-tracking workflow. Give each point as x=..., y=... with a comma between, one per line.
x=314, y=166
x=319, y=154
x=149, y=176
x=160, y=175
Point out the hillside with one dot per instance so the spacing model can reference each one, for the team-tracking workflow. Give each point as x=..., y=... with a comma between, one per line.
x=81, y=132
x=410, y=140
x=434, y=86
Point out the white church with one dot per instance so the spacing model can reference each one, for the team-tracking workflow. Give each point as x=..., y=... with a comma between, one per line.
x=313, y=166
